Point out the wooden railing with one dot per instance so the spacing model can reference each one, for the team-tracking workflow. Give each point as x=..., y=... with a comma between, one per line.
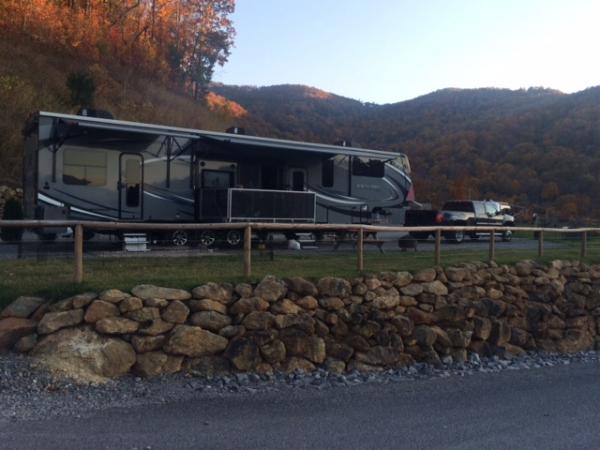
x=249, y=228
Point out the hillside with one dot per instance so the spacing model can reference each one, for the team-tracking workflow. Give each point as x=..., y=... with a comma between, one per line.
x=538, y=148
x=34, y=77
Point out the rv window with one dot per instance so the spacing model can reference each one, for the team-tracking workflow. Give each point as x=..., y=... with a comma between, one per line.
x=84, y=167
x=327, y=174
x=363, y=167
x=217, y=179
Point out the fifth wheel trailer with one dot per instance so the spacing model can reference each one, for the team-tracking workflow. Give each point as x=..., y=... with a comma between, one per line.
x=90, y=168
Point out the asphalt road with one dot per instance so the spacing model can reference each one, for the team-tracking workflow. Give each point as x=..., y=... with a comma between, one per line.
x=549, y=408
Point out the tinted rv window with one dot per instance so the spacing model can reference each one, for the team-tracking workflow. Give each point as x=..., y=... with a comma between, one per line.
x=363, y=167
x=84, y=167
x=327, y=174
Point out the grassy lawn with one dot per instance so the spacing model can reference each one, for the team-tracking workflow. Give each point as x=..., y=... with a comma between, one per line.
x=52, y=278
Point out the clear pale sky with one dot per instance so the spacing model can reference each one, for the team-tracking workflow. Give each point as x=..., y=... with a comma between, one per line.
x=386, y=51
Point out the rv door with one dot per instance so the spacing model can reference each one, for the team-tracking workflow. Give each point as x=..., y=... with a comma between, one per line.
x=131, y=185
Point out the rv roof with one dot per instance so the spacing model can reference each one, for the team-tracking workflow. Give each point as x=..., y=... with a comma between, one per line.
x=237, y=139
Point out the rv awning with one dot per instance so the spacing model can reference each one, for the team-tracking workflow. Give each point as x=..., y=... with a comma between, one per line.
x=254, y=142
x=238, y=140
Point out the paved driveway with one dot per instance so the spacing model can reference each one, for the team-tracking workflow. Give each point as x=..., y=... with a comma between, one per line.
x=549, y=408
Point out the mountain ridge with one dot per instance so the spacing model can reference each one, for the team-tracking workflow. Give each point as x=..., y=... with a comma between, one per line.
x=538, y=147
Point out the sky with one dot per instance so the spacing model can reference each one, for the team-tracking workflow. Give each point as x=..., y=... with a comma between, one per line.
x=385, y=51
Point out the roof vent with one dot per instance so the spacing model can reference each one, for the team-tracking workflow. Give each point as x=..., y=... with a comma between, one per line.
x=235, y=130
x=343, y=143
x=99, y=113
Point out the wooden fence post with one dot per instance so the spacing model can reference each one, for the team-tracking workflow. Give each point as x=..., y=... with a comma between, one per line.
x=540, y=243
x=492, y=255
x=360, y=246
x=78, y=253
x=583, y=245
x=247, y=251
x=438, y=247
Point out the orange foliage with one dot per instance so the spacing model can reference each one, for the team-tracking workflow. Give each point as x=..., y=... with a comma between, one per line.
x=176, y=40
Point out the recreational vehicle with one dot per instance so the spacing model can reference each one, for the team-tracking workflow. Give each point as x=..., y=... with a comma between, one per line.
x=92, y=168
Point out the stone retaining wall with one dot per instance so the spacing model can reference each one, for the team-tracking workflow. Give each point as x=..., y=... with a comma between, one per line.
x=368, y=323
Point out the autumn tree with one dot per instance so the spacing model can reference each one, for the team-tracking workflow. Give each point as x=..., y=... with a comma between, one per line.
x=176, y=40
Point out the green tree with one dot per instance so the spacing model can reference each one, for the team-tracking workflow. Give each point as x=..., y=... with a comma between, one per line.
x=82, y=87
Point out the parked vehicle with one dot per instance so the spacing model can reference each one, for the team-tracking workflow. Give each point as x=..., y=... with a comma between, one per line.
x=95, y=168
x=465, y=213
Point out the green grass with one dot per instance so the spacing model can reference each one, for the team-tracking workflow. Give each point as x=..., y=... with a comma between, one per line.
x=52, y=278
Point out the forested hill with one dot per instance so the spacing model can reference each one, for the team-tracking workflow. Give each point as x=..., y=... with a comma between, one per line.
x=538, y=148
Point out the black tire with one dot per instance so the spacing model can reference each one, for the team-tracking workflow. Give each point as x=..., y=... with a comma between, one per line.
x=234, y=238
x=507, y=236
x=456, y=237
x=207, y=238
x=180, y=238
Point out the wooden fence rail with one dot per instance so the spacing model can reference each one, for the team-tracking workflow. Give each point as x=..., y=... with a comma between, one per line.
x=251, y=227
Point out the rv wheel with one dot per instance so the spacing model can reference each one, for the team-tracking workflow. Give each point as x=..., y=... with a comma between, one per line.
x=208, y=238
x=234, y=238
x=179, y=238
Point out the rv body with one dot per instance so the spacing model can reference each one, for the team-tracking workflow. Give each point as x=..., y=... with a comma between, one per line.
x=86, y=168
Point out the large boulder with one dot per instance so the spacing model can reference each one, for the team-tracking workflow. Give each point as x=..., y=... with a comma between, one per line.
x=153, y=364
x=210, y=320
x=82, y=300
x=207, y=366
x=113, y=295
x=425, y=275
x=22, y=307
x=382, y=356
x=143, y=344
x=145, y=291
x=247, y=305
x=301, y=286
x=194, y=341
x=331, y=303
x=386, y=302
x=116, y=325
x=273, y=352
x=12, y=329
x=156, y=327
x=270, y=289
x=176, y=312
x=145, y=314
x=244, y=354
x=435, y=287
x=54, y=321
x=212, y=291
x=131, y=304
x=259, y=320
x=100, y=309
x=84, y=355
x=334, y=287
x=309, y=347
x=207, y=305
x=285, y=306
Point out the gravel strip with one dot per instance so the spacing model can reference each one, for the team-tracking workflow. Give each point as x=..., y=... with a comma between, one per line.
x=29, y=394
